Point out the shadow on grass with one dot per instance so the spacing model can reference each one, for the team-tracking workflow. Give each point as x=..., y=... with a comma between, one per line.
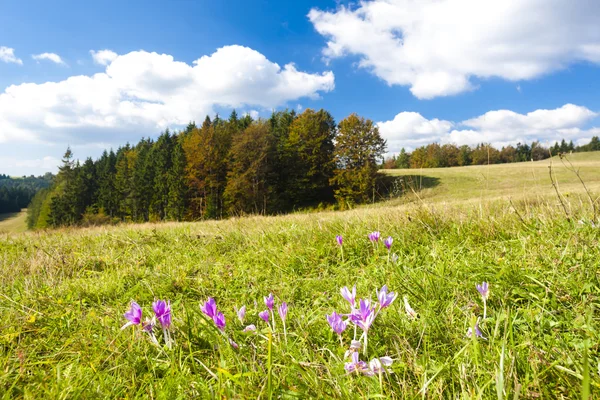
x=390, y=186
x=6, y=216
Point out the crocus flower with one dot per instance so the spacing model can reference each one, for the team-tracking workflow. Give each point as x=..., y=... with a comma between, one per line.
x=356, y=365
x=209, y=308
x=337, y=323
x=241, y=314
x=484, y=290
x=412, y=314
x=219, y=320
x=374, y=236
x=270, y=301
x=148, y=325
x=134, y=315
x=355, y=345
x=376, y=366
x=364, y=316
x=348, y=295
x=339, y=239
x=283, y=309
x=385, y=299
x=162, y=310
x=251, y=327
x=478, y=332
x=233, y=344
x=264, y=315
x=388, y=242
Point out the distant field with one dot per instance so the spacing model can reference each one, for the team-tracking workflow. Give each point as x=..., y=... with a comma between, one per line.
x=13, y=222
x=518, y=180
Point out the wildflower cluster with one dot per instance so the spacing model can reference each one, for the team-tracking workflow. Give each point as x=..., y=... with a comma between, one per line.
x=362, y=315
x=162, y=314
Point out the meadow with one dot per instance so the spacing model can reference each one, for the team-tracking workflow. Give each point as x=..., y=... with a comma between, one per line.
x=64, y=293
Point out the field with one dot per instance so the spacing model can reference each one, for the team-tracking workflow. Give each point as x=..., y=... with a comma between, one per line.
x=13, y=222
x=63, y=294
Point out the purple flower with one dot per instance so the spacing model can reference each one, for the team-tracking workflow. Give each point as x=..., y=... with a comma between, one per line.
x=219, y=320
x=385, y=299
x=162, y=310
x=374, y=236
x=251, y=327
x=264, y=315
x=388, y=242
x=209, y=308
x=241, y=314
x=349, y=296
x=148, y=325
x=339, y=239
x=376, y=366
x=356, y=365
x=270, y=301
x=134, y=315
x=283, y=309
x=233, y=344
x=484, y=290
x=478, y=332
x=364, y=316
x=337, y=323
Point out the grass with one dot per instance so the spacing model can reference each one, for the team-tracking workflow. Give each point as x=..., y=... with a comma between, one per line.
x=13, y=222
x=63, y=294
x=500, y=181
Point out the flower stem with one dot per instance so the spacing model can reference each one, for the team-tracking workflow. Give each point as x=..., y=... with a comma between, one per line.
x=366, y=341
x=484, y=309
x=273, y=318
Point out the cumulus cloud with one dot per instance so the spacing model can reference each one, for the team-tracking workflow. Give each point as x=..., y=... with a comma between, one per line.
x=7, y=55
x=438, y=47
x=140, y=93
x=103, y=57
x=500, y=128
x=55, y=58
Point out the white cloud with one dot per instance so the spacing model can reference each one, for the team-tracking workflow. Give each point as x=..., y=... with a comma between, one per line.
x=8, y=56
x=500, y=128
x=55, y=58
x=437, y=47
x=141, y=93
x=103, y=57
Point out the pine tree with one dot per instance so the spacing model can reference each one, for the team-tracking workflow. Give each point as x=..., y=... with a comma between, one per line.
x=177, y=189
x=161, y=162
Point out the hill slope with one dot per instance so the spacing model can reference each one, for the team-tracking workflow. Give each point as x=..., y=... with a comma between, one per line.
x=64, y=293
x=518, y=180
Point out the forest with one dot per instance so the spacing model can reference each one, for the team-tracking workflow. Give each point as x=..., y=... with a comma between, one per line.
x=222, y=168
x=450, y=155
x=17, y=193
x=237, y=166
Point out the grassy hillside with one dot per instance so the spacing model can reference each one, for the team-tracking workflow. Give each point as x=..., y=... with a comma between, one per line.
x=63, y=294
x=518, y=180
x=13, y=222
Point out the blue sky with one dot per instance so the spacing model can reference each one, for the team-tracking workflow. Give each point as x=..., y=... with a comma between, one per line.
x=446, y=71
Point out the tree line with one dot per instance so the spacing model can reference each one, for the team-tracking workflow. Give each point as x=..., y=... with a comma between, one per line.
x=222, y=168
x=449, y=155
x=17, y=193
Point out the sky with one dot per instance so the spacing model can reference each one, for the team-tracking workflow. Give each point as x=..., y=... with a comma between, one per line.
x=96, y=75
